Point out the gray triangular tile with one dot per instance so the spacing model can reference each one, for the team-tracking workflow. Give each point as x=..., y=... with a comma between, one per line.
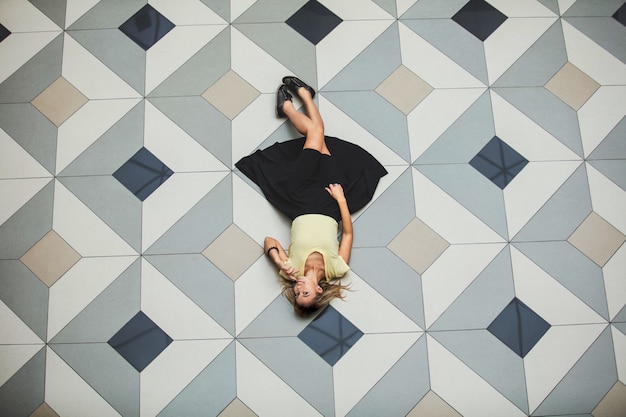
x=209, y=392
x=202, y=282
x=483, y=299
x=404, y=291
x=582, y=388
x=400, y=388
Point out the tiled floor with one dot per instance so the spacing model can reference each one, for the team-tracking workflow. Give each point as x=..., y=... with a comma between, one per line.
x=489, y=271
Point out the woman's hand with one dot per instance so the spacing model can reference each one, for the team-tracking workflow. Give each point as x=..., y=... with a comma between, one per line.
x=336, y=192
x=289, y=270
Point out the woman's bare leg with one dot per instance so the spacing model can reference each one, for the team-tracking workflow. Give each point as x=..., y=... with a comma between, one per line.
x=310, y=124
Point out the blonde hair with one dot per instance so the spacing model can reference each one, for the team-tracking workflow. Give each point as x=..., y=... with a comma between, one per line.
x=331, y=290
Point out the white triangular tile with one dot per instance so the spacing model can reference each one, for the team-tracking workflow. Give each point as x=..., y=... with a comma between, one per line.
x=538, y=290
x=447, y=216
x=462, y=388
x=174, y=147
x=174, y=49
x=607, y=198
x=357, y=10
x=90, y=75
x=600, y=114
x=525, y=136
x=254, y=291
x=87, y=125
x=432, y=65
x=613, y=273
x=522, y=8
x=75, y=9
x=173, y=370
x=619, y=343
x=14, y=193
x=187, y=12
x=13, y=330
x=15, y=356
x=380, y=317
x=70, y=395
x=554, y=355
x=510, y=41
x=591, y=58
x=380, y=352
x=173, y=311
x=82, y=229
x=172, y=200
x=22, y=16
x=435, y=114
x=343, y=44
x=339, y=124
x=452, y=273
x=80, y=286
x=15, y=162
x=264, y=392
x=18, y=48
x=531, y=188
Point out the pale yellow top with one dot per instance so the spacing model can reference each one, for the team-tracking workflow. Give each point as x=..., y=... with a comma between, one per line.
x=316, y=233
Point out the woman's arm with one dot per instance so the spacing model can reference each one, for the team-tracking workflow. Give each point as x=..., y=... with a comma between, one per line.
x=274, y=250
x=345, y=246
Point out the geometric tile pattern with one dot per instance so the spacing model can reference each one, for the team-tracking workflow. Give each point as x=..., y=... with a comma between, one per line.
x=439, y=254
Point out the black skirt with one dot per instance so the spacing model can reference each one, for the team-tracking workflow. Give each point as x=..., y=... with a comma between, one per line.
x=294, y=179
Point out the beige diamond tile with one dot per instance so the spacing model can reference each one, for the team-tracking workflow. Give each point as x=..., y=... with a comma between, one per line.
x=613, y=404
x=231, y=94
x=233, y=252
x=572, y=86
x=433, y=406
x=404, y=89
x=50, y=258
x=237, y=409
x=597, y=238
x=418, y=245
x=44, y=410
x=59, y=101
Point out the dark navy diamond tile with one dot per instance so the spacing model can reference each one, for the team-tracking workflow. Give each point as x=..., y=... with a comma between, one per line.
x=620, y=14
x=499, y=162
x=518, y=327
x=4, y=33
x=146, y=27
x=479, y=18
x=314, y=21
x=330, y=335
x=143, y=174
x=140, y=341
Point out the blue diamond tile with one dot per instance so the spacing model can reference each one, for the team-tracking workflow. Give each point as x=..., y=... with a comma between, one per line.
x=140, y=341
x=518, y=327
x=143, y=174
x=479, y=18
x=499, y=162
x=330, y=335
x=314, y=21
x=620, y=14
x=4, y=33
x=146, y=27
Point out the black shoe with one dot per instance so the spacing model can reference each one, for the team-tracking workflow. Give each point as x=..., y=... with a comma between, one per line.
x=294, y=83
x=282, y=95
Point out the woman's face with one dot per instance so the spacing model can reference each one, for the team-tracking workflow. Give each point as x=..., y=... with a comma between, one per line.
x=306, y=290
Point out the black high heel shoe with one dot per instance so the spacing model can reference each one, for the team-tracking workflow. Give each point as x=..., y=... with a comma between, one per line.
x=294, y=83
x=282, y=95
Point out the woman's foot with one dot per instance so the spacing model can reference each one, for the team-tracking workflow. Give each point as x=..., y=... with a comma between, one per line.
x=294, y=84
x=282, y=95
